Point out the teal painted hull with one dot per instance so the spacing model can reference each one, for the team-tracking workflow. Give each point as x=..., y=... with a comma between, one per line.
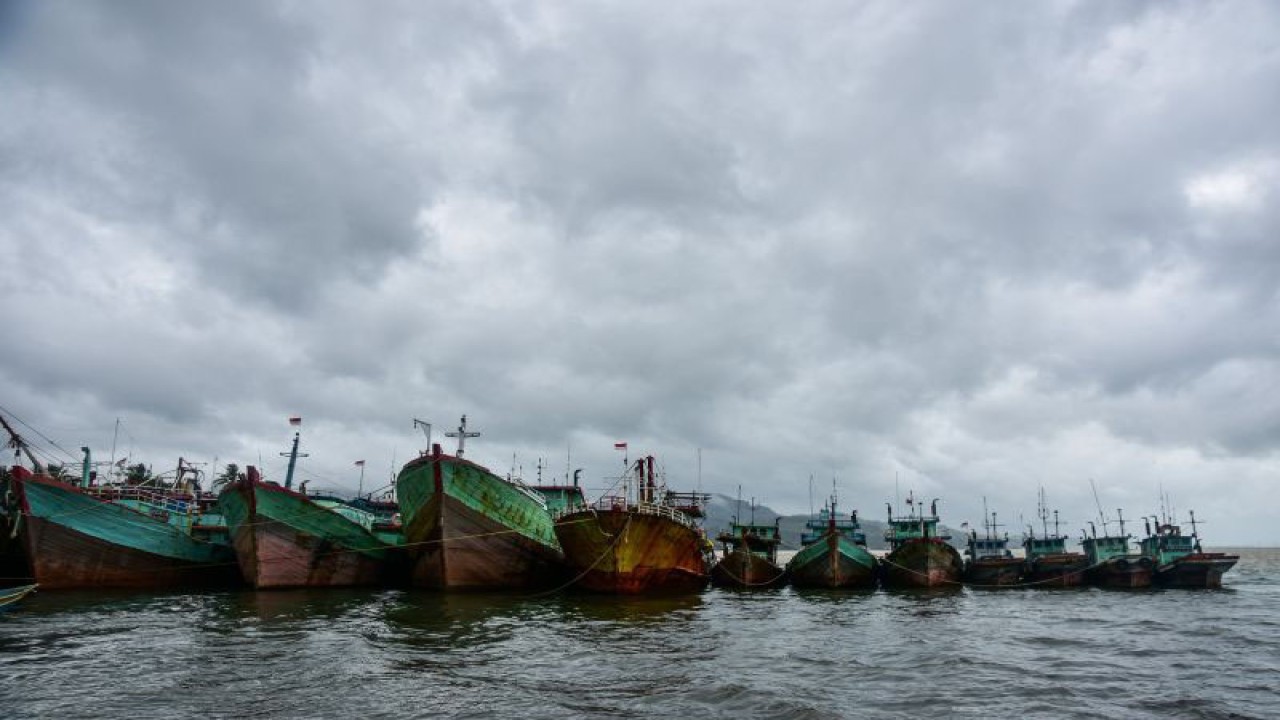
x=467, y=528
x=73, y=539
x=833, y=561
x=283, y=539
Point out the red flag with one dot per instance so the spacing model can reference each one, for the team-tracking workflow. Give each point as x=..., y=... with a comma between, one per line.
x=359, y=463
x=295, y=420
x=620, y=446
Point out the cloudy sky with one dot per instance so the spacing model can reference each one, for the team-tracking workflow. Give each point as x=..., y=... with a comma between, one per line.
x=964, y=249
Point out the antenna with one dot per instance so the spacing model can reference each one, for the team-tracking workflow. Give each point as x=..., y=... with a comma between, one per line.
x=810, y=494
x=987, y=520
x=1101, y=515
x=700, y=472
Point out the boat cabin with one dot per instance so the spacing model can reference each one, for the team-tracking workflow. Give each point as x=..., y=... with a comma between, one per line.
x=1101, y=549
x=826, y=519
x=1035, y=547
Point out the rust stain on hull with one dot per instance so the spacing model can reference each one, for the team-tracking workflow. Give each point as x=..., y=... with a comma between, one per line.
x=629, y=553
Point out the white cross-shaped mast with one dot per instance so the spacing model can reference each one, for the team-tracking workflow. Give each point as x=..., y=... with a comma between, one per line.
x=462, y=435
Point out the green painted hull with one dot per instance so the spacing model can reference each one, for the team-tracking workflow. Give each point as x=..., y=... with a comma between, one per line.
x=833, y=561
x=283, y=539
x=73, y=539
x=467, y=528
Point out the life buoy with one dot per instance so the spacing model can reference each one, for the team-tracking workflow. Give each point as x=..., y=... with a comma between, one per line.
x=1122, y=564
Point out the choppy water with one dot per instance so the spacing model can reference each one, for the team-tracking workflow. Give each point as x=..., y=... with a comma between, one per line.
x=783, y=653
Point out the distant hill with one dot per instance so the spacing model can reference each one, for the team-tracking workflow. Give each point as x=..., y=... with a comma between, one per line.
x=722, y=509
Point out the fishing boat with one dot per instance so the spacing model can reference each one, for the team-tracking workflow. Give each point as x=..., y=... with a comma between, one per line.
x=1047, y=562
x=1111, y=560
x=11, y=596
x=469, y=529
x=833, y=553
x=918, y=556
x=628, y=544
x=286, y=538
x=1179, y=559
x=750, y=557
x=989, y=562
x=77, y=534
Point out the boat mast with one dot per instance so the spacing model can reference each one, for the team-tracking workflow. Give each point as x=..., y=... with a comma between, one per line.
x=462, y=435
x=20, y=446
x=293, y=455
x=293, y=460
x=1101, y=515
x=1043, y=512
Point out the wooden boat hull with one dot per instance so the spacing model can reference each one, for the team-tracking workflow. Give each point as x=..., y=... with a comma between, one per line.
x=745, y=569
x=994, y=572
x=283, y=540
x=833, y=561
x=1201, y=570
x=468, y=529
x=1123, y=573
x=627, y=552
x=1061, y=570
x=73, y=540
x=922, y=563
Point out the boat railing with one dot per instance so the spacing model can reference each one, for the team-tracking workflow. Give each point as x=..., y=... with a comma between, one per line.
x=529, y=492
x=168, y=502
x=619, y=503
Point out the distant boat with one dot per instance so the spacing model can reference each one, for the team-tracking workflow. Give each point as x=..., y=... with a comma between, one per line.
x=1179, y=559
x=11, y=596
x=833, y=553
x=919, y=557
x=468, y=529
x=990, y=563
x=750, y=556
x=287, y=539
x=1112, y=562
x=631, y=545
x=79, y=535
x=1047, y=562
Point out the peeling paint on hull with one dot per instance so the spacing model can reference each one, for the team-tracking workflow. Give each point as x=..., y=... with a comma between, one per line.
x=283, y=540
x=629, y=553
x=468, y=529
x=73, y=540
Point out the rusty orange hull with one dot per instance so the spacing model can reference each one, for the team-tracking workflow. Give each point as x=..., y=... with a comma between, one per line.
x=630, y=553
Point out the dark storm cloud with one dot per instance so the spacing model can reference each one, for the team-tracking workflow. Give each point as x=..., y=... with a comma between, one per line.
x=965, y=250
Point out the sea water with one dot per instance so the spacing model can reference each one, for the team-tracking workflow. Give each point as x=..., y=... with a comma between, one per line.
x=736, y=654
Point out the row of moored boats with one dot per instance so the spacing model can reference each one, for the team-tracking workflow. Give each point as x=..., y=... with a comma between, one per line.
x=449, y=523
